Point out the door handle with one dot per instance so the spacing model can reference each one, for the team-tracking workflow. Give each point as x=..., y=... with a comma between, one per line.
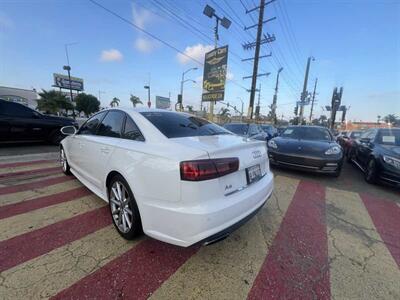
x=105, y=150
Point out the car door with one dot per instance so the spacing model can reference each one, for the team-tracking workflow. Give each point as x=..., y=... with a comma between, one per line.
x=100, y=147
x=77, y=149
x=365, y=148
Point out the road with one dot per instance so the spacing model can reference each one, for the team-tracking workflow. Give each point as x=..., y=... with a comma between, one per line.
x=317, y=237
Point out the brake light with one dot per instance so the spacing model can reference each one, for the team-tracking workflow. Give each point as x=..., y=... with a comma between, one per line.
x=204, y=169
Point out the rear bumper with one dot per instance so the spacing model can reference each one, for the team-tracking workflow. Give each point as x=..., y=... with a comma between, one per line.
x=185, y=226
x=311, y=164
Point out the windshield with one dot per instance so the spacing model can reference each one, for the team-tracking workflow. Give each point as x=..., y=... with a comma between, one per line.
x=175, y=125
x=389, y=137
x=355, y=134
x=307, y=133
x=240, y=129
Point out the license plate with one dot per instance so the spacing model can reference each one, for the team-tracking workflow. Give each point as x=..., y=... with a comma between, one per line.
x=253, y=173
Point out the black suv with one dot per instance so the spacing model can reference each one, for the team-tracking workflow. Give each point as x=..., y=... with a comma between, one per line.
x=377, y=154
x=20, y=123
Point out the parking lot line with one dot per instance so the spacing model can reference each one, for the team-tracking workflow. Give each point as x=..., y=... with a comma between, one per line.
x=23, y=223
x=14, y=209
x=11, y=170
x=26, y=163
x=48, y=274
x=297, y=263
x=34, y=185
x=27, y=246
x=386, y=218
x=361, y=266
x=136, y=274
x=31, y=172
x=21, y=196
x=214, y=273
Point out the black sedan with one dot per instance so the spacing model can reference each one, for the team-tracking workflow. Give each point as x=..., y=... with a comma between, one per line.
x=309, y=148
x=252, y=131
x=377, y=154
x=20, y=123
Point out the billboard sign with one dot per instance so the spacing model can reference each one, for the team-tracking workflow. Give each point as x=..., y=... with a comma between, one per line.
x=62, y=81
x=214, y=76
x=163, y=102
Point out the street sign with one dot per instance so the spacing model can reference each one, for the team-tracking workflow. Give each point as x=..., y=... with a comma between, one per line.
x=62, y=81
x=163, y=102
x=214, y=76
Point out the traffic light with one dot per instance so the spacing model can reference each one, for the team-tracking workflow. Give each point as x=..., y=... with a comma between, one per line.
x=179, y=98
x=296, y=110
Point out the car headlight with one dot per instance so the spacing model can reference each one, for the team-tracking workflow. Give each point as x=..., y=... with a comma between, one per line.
x=334, y=150
x=272, y=144
x=395, y=162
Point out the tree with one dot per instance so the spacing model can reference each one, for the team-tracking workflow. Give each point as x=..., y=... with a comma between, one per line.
x=135, y=100
x=53, y=101
x=115, y=102
x=379, y=119
x=392, y=119
x=189, y=108
x=87, y=104
x=224, y=114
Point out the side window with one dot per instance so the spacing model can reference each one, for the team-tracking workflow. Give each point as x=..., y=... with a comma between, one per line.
x=18, y=110
x=112, y=124
x=253, y=129
x=131, y=131
x=90, y=126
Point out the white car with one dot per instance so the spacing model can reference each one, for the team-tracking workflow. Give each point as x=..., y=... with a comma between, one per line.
x=177, y=177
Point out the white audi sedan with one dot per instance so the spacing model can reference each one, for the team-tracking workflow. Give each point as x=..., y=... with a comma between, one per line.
x=176, y=177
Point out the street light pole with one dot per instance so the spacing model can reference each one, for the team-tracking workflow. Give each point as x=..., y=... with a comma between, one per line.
x=68, y=69
x=182, y=82
x=275, y=99
x=304, y=93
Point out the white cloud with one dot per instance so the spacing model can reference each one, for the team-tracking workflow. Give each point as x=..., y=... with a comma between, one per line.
x=229, y=76
x=111, y=55
x=197, y=52
x=141, y=16
x=144, y=45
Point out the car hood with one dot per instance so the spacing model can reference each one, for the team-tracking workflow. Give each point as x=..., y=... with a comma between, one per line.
x=303, y=147
x=391, y=150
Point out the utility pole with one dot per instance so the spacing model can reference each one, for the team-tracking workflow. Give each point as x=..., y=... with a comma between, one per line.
x=257, y=44
x=275, y=99
x=182, y=82
x=304, y=93
x=336, y=100
x=258, y=103
x=313, y=99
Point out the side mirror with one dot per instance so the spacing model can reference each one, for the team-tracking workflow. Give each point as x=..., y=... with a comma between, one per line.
x=68, y=130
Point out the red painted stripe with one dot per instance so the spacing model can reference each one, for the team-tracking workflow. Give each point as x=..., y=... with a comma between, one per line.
x=34, y=185
x=135, y=274
x=27, y=246
x=296, y=266
x=31, y=172
x=10, y=210
x=26, y=163
x=386, y=218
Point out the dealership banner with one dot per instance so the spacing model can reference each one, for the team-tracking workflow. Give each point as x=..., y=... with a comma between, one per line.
x=215, y=66
x=163, y=102
x=62, y=81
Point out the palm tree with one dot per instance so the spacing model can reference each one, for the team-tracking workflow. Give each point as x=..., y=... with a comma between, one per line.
x=135, y=100
x=115, y=102
x=189, y=108
x=53, y=101
x=391, y=118
x=224, y=114
x=379, y=119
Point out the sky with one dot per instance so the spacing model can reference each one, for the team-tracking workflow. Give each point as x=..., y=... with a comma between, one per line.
x=355, y=43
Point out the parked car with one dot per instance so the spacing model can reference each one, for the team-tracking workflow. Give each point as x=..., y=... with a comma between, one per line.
x=309, y=148
x=248, y=130
x=180, y=178
x=270, y=130
x=377, y=154
x=346, y=140
x=21, y=123
x=281, y=130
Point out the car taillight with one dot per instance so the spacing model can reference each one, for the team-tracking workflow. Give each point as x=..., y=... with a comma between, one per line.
x=204, y=169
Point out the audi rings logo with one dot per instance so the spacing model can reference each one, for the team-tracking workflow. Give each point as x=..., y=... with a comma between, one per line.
x=256, y=154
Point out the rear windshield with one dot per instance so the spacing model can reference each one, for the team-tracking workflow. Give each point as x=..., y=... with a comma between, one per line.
x=307, y=133
x=175, y=125
x=240, y=129
x=389, y=137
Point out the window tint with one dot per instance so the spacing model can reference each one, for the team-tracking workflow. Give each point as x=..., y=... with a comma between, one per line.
x=174, y=125
x=307, y=133
x=131, y=131
x=240, y=129
x=91, y=125
x=17, y=110
x=112, y=124
x=253, y=129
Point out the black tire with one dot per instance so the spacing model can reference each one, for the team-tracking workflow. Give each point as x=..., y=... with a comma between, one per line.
x=128, y=214
x=64, y=162
x=370, y=173
x=337, y=172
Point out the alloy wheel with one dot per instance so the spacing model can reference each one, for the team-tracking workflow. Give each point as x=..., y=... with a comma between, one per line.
x=63, y=160
x=121, y=210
